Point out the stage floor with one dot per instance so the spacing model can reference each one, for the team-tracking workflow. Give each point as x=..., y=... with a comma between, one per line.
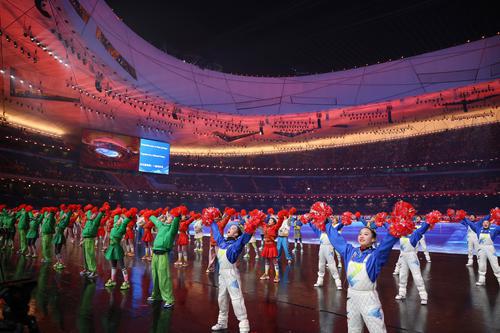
x=65, y=302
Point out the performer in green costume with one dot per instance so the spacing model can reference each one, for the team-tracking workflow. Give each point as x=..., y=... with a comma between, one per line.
x=115, y=253
x=48, y=230
x=89, y=234
x=32, y=235
x=23, y=216
x=59, y=239
x=164, y=241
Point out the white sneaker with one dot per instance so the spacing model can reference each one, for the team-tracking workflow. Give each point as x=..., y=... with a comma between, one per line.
x=479, y=283
x=219, y=327
x=400, y=297
x=395, y=273
x=469, y=263
x=339, y=265
x=246, y=256
x=318, y=284
x=256, y=256
x=423, y=302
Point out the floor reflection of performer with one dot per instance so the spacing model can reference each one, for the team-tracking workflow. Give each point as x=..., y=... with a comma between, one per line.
x=85, y=320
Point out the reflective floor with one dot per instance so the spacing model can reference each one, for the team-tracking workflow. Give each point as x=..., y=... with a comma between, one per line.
x=65, y=302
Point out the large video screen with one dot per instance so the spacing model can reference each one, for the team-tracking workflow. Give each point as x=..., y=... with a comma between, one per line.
x=154, y=156
x=122, y=152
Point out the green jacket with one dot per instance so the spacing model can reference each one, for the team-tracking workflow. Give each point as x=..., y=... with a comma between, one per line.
x=48, y=224
x=9, y=221
x=23, y=217
x=165, y=237
x=60, y=227
x=34, y=226
x=118, y=231
x=92, y=226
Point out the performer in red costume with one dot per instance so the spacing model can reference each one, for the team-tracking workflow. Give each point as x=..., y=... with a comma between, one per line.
x=270, y=252
x=183, y=239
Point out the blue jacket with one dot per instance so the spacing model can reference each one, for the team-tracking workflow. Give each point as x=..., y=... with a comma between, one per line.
x=478, y=227
x=378, y=258
x=233, y=247
x=416, y=236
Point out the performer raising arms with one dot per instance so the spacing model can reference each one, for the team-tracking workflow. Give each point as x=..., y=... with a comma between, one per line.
x=270, y=252
x=363, y=265
x=167, y=229
x=89, y=234
x=183, y=240
x=228, y=251
x=486, y=252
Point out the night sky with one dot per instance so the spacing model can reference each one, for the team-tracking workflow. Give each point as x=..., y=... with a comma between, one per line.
x=304, y=37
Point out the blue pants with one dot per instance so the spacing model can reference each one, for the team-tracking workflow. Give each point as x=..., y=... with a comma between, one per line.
x=283, y=244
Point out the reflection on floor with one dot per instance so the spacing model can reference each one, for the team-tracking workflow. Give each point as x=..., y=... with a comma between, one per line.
x=65, y=302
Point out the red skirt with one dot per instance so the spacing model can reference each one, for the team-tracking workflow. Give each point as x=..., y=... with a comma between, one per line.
x=183, y=239
x=129, y=234
x=148, y=236
x=270, y=251
x=101, y=232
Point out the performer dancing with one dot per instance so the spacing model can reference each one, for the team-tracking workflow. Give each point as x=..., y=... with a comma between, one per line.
x=362, y=266
x=229, y=249
x=183, y=240
x=326, y=257
x=282, y=245
x=409, y=263
x=32, y=234
x=48, y=230
x=59, y=240
x=162, y=245
x=486, y=252
x=212, y=252
x=297, y=234
x=472, y=243
x=270, y=252
x=115, y=252
x=89, y=234
x=198, y=236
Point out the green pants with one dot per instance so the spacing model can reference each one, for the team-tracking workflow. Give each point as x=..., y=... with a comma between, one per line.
x=89, y=254
x=47, y=246
x=23, y=242
x=162, y=284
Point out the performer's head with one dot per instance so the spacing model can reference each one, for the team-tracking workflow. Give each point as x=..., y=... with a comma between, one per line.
x=472, y=217
x=233, y=232
x=272, y=221
x=367, y=237
x=486, y=224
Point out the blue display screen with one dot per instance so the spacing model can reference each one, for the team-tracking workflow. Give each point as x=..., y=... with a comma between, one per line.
x=154, y=156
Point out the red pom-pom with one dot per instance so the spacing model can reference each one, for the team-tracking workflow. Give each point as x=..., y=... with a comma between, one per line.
x=347, y=218
x=402, y=219
x=292, y=211
x=87, y=207
x=305, y=218
x=495, y=215
x=131, y=212
x=243, y=212
x=319, y=212
x=208, y=215
x=450, y=212
x=270, y=211
x=401, y=226
x=256, y=218
x=358, y=215
x=27, y=208
x=94, y=210
x=433, y=217
x=116, y=211
x=229, y=211
x=403, y=208
x=282, y=214
x=459, y=215
x=380, y=219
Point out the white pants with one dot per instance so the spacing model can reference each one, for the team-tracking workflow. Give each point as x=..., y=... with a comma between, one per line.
x=410, y=263
x=326, y=256
x=212, y=254
x=364, y=308
x=472, y=245
x=423, y=245
x=487, y=253
x=230, y=283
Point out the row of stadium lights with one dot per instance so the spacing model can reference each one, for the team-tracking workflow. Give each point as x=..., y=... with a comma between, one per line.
x=334, y=169
x=35, y=143
x=207, y=195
